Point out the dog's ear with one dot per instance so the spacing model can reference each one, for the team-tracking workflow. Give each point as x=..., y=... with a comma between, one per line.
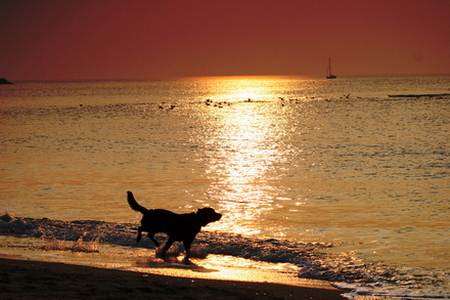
x=207, y=215
x=205, y=211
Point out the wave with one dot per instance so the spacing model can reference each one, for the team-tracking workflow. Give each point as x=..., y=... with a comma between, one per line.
x=344, y=270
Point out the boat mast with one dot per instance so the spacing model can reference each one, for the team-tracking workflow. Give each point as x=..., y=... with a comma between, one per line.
x=329, y=75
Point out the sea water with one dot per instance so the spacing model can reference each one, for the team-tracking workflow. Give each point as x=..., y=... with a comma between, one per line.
x=330, y=176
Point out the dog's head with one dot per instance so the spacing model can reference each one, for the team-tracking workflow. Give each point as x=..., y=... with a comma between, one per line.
x=207, y=215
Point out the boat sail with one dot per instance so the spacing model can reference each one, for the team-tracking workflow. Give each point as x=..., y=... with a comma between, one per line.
x=329, y=75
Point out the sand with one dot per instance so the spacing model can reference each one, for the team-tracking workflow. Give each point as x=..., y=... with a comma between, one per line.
x=26, y=279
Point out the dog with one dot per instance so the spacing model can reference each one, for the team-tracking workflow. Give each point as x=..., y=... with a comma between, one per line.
x=178, y=227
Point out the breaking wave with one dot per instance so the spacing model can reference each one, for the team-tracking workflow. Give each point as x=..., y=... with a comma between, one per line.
x=365, y=279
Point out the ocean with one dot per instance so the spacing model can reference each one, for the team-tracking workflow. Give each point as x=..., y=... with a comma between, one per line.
x=326, y=179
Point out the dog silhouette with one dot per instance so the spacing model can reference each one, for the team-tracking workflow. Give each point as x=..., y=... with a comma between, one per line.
x=178, y=227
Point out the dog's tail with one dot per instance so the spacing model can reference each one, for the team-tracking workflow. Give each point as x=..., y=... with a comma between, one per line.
x=134, y=205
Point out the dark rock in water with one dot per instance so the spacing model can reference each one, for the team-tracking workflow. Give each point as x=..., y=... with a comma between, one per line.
x=6, y=217
x=4, y=81
x=418, y=95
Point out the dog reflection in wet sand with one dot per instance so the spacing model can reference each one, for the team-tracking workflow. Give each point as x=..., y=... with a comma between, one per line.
x=178, y=227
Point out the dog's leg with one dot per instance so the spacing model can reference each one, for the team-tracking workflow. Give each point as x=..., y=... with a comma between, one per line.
x=150, y=235
x=187, y=247
x=139, y=236
x=166, y=247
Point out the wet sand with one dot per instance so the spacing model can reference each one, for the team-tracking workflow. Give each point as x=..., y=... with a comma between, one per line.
x=26, y=279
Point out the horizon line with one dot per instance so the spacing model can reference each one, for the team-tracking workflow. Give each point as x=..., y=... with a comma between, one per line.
x=217, y=77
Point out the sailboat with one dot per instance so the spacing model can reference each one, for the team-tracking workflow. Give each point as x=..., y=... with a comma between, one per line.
x=329, y=75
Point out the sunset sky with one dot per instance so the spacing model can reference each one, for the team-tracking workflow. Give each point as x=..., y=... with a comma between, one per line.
x=70, y=40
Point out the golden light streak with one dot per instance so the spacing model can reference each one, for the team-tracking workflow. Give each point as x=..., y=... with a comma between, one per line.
x=241, y=167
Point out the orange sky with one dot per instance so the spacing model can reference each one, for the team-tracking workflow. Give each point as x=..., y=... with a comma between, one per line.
x=172, y=38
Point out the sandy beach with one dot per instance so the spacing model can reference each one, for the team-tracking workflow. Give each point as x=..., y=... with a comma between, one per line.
x=26, y=279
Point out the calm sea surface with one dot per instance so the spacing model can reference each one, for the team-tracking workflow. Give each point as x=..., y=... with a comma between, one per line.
x=304, y=160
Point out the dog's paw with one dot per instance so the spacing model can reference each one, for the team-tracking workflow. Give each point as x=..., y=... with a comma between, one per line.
x=186, y=261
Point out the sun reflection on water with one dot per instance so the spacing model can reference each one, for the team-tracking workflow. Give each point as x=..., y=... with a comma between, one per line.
x=243, y=154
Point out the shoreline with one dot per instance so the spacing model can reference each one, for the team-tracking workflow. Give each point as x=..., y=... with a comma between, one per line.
x=26, y=279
